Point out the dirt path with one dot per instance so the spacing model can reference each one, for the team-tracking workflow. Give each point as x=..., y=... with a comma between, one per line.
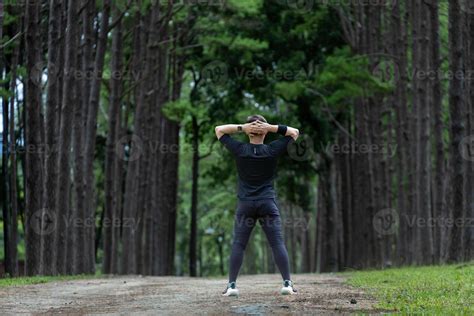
x=321, y=294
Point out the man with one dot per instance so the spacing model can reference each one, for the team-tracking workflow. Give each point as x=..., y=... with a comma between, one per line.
x=256, y=166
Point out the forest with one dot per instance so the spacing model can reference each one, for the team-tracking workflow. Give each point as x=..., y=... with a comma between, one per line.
x=110, y=163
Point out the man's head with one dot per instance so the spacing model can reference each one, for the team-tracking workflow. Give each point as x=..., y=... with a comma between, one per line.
x=256, y=117
x=253, y=136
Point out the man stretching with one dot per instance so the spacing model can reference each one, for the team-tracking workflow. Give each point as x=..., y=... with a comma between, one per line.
x=256, y=166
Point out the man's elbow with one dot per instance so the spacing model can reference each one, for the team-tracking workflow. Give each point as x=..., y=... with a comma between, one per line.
x=218, y=132
x=295, y=133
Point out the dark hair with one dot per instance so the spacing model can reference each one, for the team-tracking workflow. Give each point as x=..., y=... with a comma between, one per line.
x=256, y=117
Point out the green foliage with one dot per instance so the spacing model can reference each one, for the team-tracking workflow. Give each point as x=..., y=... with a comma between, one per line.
x=245, y=6
x=248, y=45
x=290, y=90
x=177, y=110
x=436, y=290
x=345, y=78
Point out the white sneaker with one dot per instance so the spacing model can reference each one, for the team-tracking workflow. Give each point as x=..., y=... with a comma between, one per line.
x=288, y=288
x=231, y=290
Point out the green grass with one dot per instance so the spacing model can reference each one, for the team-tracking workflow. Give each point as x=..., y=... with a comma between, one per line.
x=434, y=290
x=42, y=279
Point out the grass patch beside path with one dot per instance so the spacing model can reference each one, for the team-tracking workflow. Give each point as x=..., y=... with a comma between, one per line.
x=438, y=290
x=41, y=279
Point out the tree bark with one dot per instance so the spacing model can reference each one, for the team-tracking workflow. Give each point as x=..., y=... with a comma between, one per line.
x=425, y=237
x=48, y=247
x=12, y=255
x=112, y=172
x=456, y=105
x=194, y=192
x=128, y=260
x=440, y=173
x=91, y=123
x=33, y=167
x=469, y=234
x=68, y=107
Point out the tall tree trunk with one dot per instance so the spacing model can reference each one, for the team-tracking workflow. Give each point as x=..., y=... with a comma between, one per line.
x=12, y=255
x=48, y=246
x=65, y=139
x=469, y=234
x=456, y=105
x=467, y=141
x=194, y=199
x=87, y=68
x=128, y=261
x=7, y=223
x=425, y=237
x=400, y=51
x=33, y=167
x=165, y=183
x=171, y=175
x=322, y=243
x=111, y=239
x=439, y=196
x=153, y=133
x=345, y=167
x=91, y=122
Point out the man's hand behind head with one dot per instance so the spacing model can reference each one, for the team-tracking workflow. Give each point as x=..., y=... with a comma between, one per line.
x=254, y=128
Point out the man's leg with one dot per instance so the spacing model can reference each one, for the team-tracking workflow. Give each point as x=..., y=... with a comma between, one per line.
x=271, y=223
x=243, y=225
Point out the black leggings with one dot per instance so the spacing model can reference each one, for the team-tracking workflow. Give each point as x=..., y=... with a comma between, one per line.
x=268, y=215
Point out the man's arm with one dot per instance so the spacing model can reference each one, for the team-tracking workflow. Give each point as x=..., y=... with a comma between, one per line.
x=280, y=145
x=290, y=131
x=236, y=128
